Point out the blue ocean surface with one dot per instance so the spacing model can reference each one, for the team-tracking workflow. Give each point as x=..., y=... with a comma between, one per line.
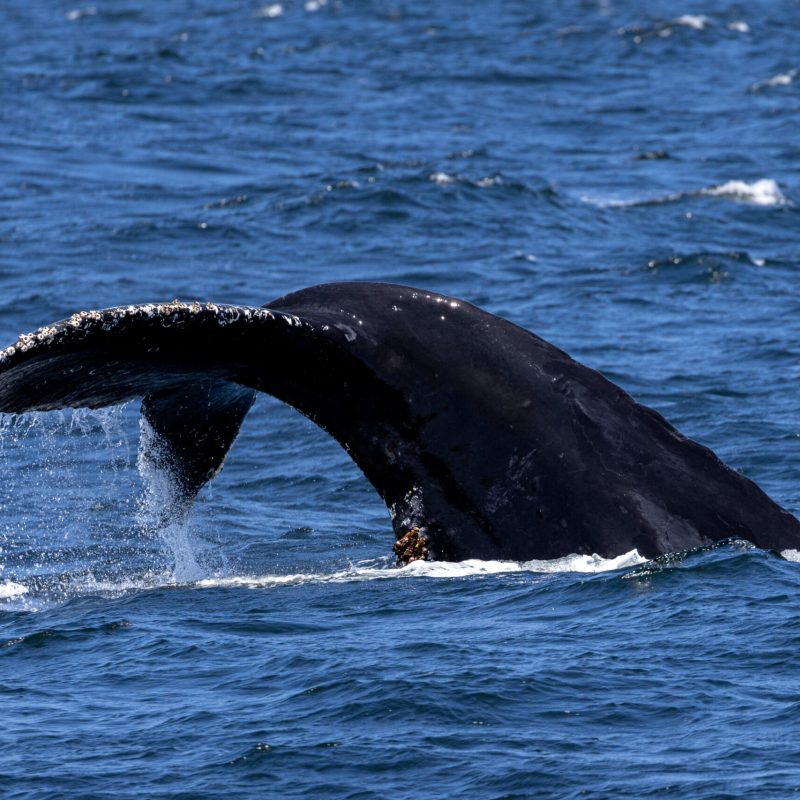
x=622, y=178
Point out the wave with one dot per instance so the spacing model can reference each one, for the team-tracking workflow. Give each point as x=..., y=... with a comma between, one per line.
x=39, y=594
x=695, y=21
x=707, y=266
x=762, y=192
x=781, y=79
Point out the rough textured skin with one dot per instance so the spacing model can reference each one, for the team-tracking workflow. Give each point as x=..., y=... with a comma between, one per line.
x=483, y=440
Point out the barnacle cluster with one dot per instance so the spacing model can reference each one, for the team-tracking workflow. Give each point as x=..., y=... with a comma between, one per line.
x=168, y=313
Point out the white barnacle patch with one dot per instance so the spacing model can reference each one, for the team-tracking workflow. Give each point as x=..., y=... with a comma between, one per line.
x=228, y=315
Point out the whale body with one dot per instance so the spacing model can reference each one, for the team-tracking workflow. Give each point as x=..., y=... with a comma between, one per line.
x=483, y=440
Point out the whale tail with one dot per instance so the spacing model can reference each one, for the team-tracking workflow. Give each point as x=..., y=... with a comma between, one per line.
x=195, y=425
x=97, y=359
x=483, y=440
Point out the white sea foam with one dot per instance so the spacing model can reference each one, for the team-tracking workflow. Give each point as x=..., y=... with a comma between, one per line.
x=696, y=21
x=740, y=26
x=791, y=555
x=77, y=13
x=270, y=11
x=10, y=589
x=489, y=180
x=781, y=79
x=764, y=192
x=442, y=178
x=368, y=571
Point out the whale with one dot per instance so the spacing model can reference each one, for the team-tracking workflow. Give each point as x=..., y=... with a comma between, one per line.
x=483, y=440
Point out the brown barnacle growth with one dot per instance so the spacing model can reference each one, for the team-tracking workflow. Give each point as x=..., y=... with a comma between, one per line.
x=412, y=546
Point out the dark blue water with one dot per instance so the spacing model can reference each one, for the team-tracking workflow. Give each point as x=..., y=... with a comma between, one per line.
x=623, y=178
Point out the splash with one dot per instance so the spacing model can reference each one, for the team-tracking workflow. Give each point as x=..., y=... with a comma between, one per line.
x=163, y=512
x=10, y=589
x=77, y=516
x=384, y=570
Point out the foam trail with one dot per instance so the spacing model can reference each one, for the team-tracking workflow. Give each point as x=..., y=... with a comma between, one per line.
x=368, y=571
x=764, y=192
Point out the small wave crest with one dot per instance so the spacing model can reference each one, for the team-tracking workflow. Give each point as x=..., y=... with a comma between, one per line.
x=762, y=192
x=780, y=79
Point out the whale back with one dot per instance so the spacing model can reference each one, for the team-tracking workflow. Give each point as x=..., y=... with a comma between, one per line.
x=482, y=439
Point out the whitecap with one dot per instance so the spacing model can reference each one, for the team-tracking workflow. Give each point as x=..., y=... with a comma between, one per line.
x=791, y=555
x=78, y=13
x=696, y=21
x=270, y=11
x=442, y=178
x=489, y=180
x=763, y=192
x=781, y=79
x=740, y=26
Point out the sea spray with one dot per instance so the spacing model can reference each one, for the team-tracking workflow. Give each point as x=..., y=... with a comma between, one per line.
x=165, y=514
x=79, y=518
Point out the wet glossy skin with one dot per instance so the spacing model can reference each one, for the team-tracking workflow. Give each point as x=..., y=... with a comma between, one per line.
x=483, y=440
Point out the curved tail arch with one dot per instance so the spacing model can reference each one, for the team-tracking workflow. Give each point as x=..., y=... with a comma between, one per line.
x=483, y=440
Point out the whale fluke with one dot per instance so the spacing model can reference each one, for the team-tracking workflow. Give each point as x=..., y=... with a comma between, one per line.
x=194, y=425
x=483, y=440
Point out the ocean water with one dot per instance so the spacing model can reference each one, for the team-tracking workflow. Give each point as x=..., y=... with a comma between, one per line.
x=622, y=178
